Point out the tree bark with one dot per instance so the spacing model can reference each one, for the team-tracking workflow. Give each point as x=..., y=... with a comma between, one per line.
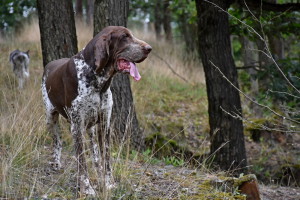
x=89, y=11
x=158, y=19
x=79, y=10
x=226, y=132
x=276, y=43
x=263, y=59
x=124, y=118
x=249, y=59
x=57, y=28
x=189, y=32
x=167, y=21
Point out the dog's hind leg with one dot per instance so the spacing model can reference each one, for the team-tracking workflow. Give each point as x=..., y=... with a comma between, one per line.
x=53, y=128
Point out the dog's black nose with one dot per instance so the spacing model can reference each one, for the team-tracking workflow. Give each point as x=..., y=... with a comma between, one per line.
x=148, y=48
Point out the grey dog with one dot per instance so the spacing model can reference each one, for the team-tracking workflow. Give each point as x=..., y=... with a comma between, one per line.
x=20, y=63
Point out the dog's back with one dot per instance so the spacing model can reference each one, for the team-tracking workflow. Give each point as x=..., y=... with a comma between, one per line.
x=20, y=61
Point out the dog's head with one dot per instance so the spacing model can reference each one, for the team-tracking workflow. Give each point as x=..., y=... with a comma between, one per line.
x=117, y=46
x=19, y=56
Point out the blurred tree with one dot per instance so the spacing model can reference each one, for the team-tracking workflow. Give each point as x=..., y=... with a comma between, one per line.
x=159, y=12
x=184, y=14
x=124, y=117
x=163, y=13
x=158, y=18
x=162, y=19
x=89, y=11
x=57, y=28
x=84, y=11
x=79, y=10
x=167, y=20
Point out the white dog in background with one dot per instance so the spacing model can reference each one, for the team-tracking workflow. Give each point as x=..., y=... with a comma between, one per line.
x=20, y=62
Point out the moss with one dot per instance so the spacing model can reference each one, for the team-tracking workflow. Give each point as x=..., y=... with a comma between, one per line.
x=246, y=178
x=174, y=127
x=207, y=190
x=256, y=124
x=221, y=187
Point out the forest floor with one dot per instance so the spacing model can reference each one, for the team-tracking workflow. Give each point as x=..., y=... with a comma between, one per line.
x=145, y=176
x=169, y=182
x=157, y=181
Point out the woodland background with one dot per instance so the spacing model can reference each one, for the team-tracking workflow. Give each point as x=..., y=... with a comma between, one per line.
x=219, y=98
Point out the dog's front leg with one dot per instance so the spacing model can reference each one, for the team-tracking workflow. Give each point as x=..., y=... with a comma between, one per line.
x=104, y=136
x=26, y=72
x=82, y=179
x=21, y=82
x=95, y=151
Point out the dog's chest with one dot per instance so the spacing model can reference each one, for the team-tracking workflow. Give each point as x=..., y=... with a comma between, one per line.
x=89, y=102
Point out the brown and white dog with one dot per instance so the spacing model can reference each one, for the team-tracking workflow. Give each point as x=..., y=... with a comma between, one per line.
x=78, y=88
x=20, y=62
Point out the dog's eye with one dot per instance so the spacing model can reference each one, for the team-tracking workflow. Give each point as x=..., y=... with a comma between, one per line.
x=125, y=35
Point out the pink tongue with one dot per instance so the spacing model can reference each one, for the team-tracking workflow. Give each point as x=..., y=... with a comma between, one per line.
x=134, y=72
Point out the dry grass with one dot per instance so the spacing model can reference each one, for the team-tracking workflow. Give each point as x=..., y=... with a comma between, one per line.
x=25, y=145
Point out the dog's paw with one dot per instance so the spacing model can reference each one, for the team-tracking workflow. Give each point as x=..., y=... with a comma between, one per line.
x=109, y=182
x=86, y=187
x=26, y=74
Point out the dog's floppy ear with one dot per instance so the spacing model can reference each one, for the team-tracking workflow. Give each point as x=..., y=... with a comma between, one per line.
x=27, y=52
x=101, y=52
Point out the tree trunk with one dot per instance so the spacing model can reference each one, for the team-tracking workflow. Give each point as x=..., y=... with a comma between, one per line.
x=158, y=18
x=79, y=10
x=263, y=59
x=249, y=59
x=89, y=11
x=57, y=28
x=124, y=117
x=167, y=21
x=226, y=132
x=189, y=33
x=276, y=43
